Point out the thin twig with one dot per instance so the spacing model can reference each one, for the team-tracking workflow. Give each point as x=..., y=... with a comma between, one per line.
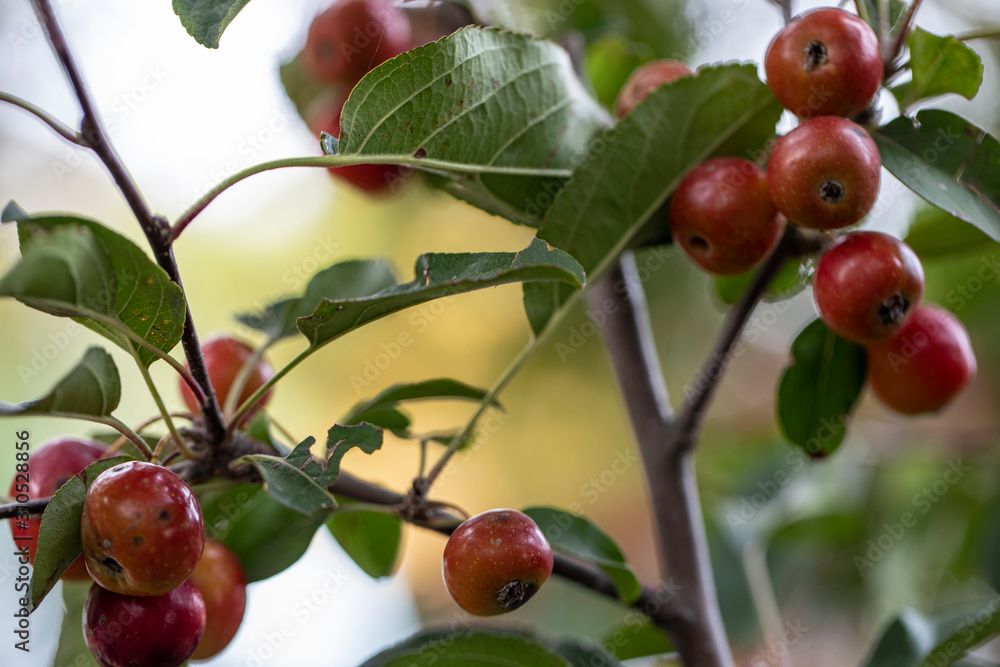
x=156, y=229
x=60, y=128
x=703, y=387
x=656, y=603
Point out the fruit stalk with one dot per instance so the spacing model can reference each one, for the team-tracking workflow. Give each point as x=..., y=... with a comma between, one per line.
x=156, y=228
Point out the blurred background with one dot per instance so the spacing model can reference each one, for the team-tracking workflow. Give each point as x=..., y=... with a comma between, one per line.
x=786, y=535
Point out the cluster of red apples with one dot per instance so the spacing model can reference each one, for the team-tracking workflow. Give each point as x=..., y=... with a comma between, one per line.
x=728, y=214
x=163, y=593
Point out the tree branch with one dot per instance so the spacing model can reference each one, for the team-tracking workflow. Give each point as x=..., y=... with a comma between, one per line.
x=156, y=228
x=703, y=386
x=698, y=634
x=666, y=443
x=656, y=603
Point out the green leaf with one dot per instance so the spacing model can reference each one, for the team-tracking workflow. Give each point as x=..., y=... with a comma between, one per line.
x=299, y=481
x=370, y=538
x=918, y=640
x=59, y=535
x=146, y=300
x=429, y=108
x=463, y=647
x=637, y=638
x=948, y=161
x=72, y=649
x=578, y=537
x=935, y=234
x=345, y=280
x=940, y=65
x=205, y=20
x=91, y=389
x=440, y=275
x=290, y=486
x=66, y=273
x=819, y=389
x=266, y=536
x=634, y=167
x=384, y=404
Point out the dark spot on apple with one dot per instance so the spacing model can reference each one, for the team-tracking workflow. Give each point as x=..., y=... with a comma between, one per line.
x=893, y=310
x=816, y=55
x=515, y=593
x=111, y=565
x=698, y=243
x=832, y=192
x=137, y=541
x=164, y=515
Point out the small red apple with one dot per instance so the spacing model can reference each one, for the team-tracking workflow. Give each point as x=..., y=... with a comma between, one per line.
x=824, y=174
x=645, y=79
x=129, y=631
x=866, y=284
x=825, y=62
x=142, y=529
x=924, y=365
x=723, y=218
x=495, y=561
x=220, y=580
x=224, y=357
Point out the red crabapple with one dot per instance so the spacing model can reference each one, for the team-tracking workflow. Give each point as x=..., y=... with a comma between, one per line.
x=723, y=218
x=352, y=37
x=220, y=579
x=645, y=79
x=142, y=529
x=495, y=561
x=925, y=365
x=825, y=62
x=127, y=631
x=824, y=174
x=224, y=357
x=866, y=284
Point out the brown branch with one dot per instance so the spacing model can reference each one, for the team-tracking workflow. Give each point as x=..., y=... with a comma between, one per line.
x=156, y=228
x=666, y=442
x=656, y=603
